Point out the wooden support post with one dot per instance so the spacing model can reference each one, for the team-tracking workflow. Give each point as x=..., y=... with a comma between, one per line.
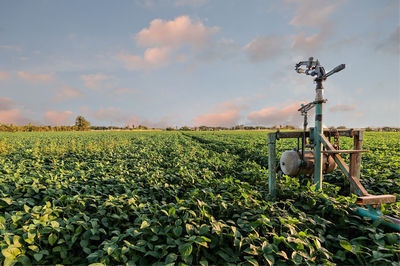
x=355, y=158
x=272, y=164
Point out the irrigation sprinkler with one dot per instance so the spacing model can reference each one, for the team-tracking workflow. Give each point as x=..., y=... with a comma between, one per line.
x=318, y=156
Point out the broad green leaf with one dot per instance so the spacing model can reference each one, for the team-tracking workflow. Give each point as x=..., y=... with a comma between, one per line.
x=11, y=252
x=185, y=249
x=171, y=211
x=55, y=224
x=34, y=248
x=346, y=245
x=52, y=239
x=38, y=256
x=171, y=258
x=177, y=231
x=144, y=225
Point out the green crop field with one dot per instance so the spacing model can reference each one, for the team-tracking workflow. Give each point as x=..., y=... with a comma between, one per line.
x=183, y=198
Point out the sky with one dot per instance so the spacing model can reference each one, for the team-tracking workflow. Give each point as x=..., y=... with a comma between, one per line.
x=165, y=63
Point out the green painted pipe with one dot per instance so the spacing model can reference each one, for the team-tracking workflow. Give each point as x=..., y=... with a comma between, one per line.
x=375, y=216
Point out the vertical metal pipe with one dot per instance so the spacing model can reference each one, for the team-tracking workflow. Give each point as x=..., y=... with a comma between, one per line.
x=272, y=164
x=319, y=99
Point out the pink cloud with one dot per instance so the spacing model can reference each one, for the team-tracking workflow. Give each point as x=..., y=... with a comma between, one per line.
x=4, y=75
x=306, y=15
x=277, y=115
x=309, y=44
x=225, y=118
x=9, y=114
x=12, y=116
x=174, y=33
x=342, y=108
x=264, y=48
x=165, y=41
x=54, y=117
x=35, y=77
x=312, y=13
x=152, y=58
x=95, y=81
x=68, y=93
x=227, y=114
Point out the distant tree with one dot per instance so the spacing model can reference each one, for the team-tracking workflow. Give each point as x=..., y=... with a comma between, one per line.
x=81, y=123
x=185, y=128
x=341, y=127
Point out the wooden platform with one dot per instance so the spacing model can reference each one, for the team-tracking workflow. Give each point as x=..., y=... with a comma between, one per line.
x=376, y=199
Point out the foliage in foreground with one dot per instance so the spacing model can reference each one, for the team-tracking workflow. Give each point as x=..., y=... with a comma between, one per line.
x=192, y=198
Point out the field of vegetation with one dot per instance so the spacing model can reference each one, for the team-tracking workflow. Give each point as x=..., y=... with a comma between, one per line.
x=183, y=198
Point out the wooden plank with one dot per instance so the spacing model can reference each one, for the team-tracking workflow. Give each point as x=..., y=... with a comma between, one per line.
x=345, y=151
x=299, y=134
x=376, y=199
x=291, y=134
x=361, y=191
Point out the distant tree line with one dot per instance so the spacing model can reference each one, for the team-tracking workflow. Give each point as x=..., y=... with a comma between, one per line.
x=238, y=127
x=81, y=124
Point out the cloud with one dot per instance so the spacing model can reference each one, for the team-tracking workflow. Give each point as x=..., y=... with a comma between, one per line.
x=175, y=33
x=277, y=115
x=342, y=108
x=57, y=118
x=315, y=14
x=170, y=41
x=391, y=45
x=309, y=44
x=35, y=77
x=226, y=118
x=311, y=12
x=10, y=114
x=153, y=58
x=95, y=81
x=4, y=75
x=67, y=93
x=264, y=48
x=227, y=114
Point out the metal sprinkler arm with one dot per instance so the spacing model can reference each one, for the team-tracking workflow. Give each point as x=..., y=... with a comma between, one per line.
x=335, y=70
x=314, y=68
